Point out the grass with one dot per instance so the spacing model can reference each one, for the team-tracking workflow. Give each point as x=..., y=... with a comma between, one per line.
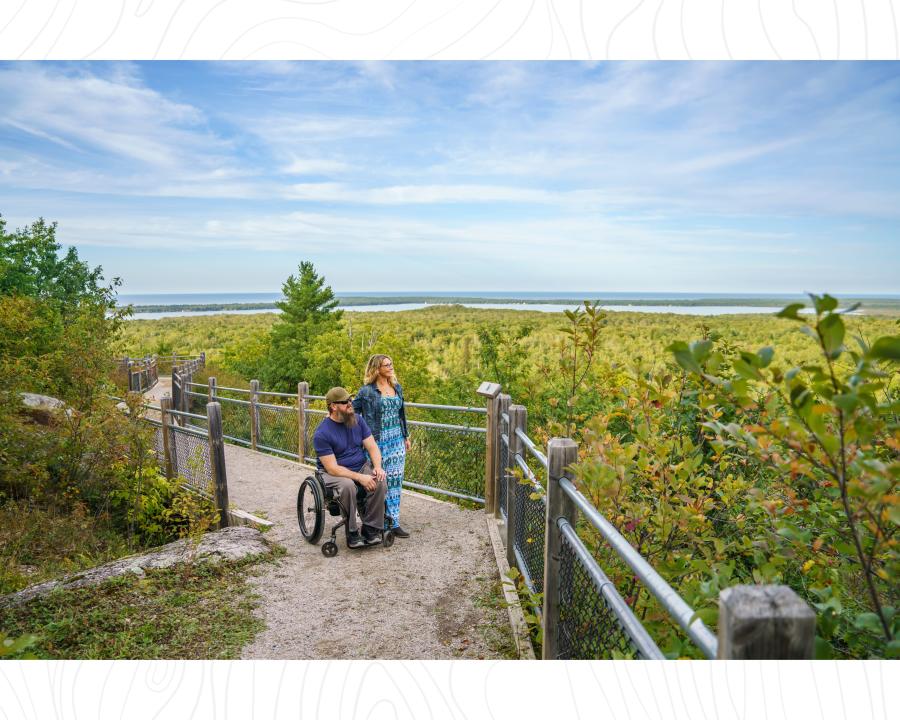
x=40, y=544
x=498, y=636
x=202, y=611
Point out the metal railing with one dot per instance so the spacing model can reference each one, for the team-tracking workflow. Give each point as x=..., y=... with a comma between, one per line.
x=189, y=446
x=582, y=613
x=447, y=442
x=682, y=613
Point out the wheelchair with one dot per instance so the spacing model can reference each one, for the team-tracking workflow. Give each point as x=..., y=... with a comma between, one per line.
x=313, y=498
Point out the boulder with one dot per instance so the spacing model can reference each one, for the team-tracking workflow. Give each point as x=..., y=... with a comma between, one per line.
x=43, y=409
x=232, y=543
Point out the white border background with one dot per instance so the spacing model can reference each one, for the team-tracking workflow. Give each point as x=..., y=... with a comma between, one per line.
x=448, y=30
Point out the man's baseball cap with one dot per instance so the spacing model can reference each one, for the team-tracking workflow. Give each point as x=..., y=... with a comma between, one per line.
x=337, y=394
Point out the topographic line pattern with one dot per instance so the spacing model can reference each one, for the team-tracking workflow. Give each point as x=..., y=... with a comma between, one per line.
x=449, y=29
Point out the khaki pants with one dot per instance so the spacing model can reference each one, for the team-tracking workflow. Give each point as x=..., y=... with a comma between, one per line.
x=345, y=493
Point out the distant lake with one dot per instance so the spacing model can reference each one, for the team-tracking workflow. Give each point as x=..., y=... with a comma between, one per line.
x=535, y=307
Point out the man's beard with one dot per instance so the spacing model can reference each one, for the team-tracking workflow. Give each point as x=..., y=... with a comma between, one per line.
x=348, y=417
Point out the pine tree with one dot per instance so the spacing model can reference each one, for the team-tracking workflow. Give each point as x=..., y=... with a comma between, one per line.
x=307, y=311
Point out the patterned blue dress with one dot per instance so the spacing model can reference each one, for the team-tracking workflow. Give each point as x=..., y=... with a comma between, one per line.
x=393, y=454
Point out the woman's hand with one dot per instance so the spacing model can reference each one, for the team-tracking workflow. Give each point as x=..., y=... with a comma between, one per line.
x=408, y=444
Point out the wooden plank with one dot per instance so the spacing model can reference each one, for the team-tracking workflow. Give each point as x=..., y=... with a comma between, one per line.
x=561, y=452
x=217, y=460
x=165, y=404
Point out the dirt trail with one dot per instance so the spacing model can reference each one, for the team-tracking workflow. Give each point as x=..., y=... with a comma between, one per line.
x=431, y=596
x=425, y=597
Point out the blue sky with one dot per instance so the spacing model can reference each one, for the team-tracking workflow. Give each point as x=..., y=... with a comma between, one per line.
x=626, y=176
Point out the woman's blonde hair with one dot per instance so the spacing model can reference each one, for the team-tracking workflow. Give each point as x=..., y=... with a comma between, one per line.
x=372, y=368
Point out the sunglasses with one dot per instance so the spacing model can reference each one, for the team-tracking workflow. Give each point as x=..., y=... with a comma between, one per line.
x=343, y=402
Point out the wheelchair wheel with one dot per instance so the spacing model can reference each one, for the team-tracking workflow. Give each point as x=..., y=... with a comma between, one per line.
x=388, y=538
x=310, y=515
x=330, y=549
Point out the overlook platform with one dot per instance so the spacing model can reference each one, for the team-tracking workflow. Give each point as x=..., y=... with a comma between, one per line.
x=434, y=595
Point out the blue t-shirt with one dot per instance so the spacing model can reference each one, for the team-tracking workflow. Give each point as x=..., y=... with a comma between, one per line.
x=345, y=443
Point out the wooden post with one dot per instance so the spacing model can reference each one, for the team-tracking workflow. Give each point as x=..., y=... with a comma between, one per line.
x=561, y=452
x=217, y=460
x=490, y=391
x=302, y=392
x=518, y=418
x=765, y=622
x=212, y=394
x=203, y=359
x=500, y=471
x=254, y=414
x=165, y=404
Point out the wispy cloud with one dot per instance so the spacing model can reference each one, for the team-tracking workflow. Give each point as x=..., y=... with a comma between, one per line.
x=623, y=165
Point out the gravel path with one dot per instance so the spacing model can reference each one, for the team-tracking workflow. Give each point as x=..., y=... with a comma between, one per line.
x=162, y=387
x=431, y=596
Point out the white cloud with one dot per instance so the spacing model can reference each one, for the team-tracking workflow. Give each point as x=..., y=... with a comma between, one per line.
x=315, y=166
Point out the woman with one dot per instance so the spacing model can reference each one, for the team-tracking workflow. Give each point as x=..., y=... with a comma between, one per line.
x=380, y=402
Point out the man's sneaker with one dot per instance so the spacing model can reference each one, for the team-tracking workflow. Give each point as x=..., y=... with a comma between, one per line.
x=400, y=532
x=372, y=535
x=355, y=540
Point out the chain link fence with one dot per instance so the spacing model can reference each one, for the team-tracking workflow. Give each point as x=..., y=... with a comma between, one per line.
x=190, y=458
x=503, y=432
x=594, y=621
x=188, y=447
x=279, y=429
x=530, y=518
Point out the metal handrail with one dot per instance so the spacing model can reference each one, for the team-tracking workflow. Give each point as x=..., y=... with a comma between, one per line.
x=456, y=408
x=526, y=575
x=233, y=400
x=520, y=461
x=681, y=612
x=189, y=430
x=279, y=394
x=260, y=446
x=441, y=491
x=443, y=426
x=287, y=408
x=630, y=624
x=529, y=443
x=179, y=413
x=424, y=406
x=231, y=389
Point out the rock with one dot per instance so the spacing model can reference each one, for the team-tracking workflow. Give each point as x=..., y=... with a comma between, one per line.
x=232, y=543
x=43, y=408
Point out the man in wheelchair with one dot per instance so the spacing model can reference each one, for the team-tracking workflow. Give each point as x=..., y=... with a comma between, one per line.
x=341, y=442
